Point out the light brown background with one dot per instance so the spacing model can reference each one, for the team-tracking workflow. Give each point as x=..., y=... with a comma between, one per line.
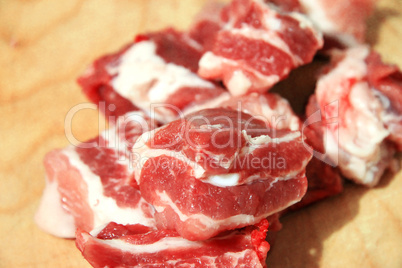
x=45, y=45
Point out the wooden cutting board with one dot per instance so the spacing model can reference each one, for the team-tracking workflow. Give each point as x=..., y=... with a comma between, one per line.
x=45, y=45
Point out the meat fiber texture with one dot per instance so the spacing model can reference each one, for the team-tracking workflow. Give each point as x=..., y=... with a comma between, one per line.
x=156, y=73
x=359, y=100
x=140, y=246
x=219, y=169
x=257, y=46
x=88, y=184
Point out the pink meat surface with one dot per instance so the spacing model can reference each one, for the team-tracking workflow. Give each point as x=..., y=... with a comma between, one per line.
x=140, y=246
x=219, y=169
x=258, y=46
x=341, y=20
x=88, y=185
x=156, y=73
x=358, y=118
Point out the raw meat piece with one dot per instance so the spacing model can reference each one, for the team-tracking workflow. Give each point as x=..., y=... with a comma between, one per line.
x=258, y=46
x=156, y=73
x=343, y=21
x=219, y=169
x=88, y=185
x=323, y=179
x=138, y=246
x=360, y=140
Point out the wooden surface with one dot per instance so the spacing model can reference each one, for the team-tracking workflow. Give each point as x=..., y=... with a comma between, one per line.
x=44, y=45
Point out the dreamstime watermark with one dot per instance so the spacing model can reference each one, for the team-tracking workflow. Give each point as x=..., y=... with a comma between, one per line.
x=131, y=135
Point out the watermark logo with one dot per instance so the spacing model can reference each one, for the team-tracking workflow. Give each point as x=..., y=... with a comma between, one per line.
x=132, y=135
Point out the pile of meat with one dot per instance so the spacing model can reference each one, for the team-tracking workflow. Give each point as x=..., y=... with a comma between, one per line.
x=200, y=156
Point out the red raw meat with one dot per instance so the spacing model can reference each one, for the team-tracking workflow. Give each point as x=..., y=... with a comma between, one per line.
x=219, y=169
x=156, y=73
x=358, y=118
x=138, y=246
x=258, y=46
x=88, y=185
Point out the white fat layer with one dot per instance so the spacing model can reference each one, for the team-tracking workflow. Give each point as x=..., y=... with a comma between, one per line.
x=273, y=23
x=239, y=83
x=263, y=139
x=98, y=229
x=352, y=65
x=305, y=22
x=345, y=38
x=370, y=131
x=317, y=13
x=165, y=243
x=331, y=146
x=255, y=142
x=105, y=208
x=51, y=217
x=224, y=180
x=371, y=128
x=368, y=172
x=361, y=130
x=145, y=78
x=210, y=64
